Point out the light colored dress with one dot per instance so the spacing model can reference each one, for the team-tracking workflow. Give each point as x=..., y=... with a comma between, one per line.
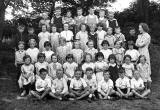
x=54, y=41
x=143, y=42
x=78, y=55
x=43, y=37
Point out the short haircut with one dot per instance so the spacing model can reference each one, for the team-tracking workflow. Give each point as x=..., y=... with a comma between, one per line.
x=99, y=54
x=40, y=55
x=104, y=42
x=27, y=56
x=127, y=56
x=100, y=25
x=112, y=56
x=79, y=8
x=86, y=55
x=90, y=41
x=21, y=42
x=121, y=70
x=47, y=43
x=89, y=69
x=42, y=70
x=69, y=56
x=78, y=69
x=117, y=27
x=131, y=42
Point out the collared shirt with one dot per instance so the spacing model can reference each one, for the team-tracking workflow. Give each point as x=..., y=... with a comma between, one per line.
x=68, y=35
x=101, y=34
x=106, y=54
x=78, y=84
x=105, y=86
x=33, y=53
x=129, y=68
x=48, y=55
x=123, y=83
x=101, y=65
x=92, y=83
x=87, y=65
x=39, y=65
x=19, y=56
x=136, y=83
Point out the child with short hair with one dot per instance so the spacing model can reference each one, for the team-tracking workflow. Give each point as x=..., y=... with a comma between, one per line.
x=102, y=19
x=100, y=66
x=132, y=52
x=88, y=62
x=128, y=66
x=137, y=86
x=41, y=63
x=101, y=34
x=112, y=21
x=91, y=50
x=105, y=50
x=53, y=66
x=113, y=68
x=43, y=85
x=90, y=79
x=110, y=37
x=69, y=67
x=48, y=52
x=54, y=38
x=68, y=35
x=77, y=52
x=82, y=36
x=27, y=77
x=92, y=35
x=43, y=37
x=118, y=51
x=144, y=71
x=57, y=19
x=123, y=84
x=132, y=35
x=32, y=51
x=105, y=87
x=59, y=88
x=19, y=54
x=62, y=50
x=78, y=86
x=45, y=21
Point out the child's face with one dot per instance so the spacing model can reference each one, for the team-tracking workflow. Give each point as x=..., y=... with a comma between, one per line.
x=77, y=45
x=111, y=15
x=62, y=42
x=70, y=60
x=43, y=75
x=54, y=29
x=79, y=12
x=88, y=58
x=44, y=28
x=91, y=11
x=58, y=12
x=102, y=13
x=78, y=74
x=27, y=61
x=41, y=59
x=45, y=16
x=31, y=31
x=132, y=32
x=21, y=46
x=66, y=27
x=112, y=61
x=100, y=58
x=32, y=44
x=47, y=47
x=110, y=31
x=92, y=29
x=127, y=60
x=69, y=14
x=54, y=59
x=136, y=75
x=21, y=29
x=118, y=30
x=100, y=28
x=59, y=74
x=89, y=74
x=118, y=45
x=106, y=76
x=90, y=45
x=142, y=60
x=121, y=75
x=105, y=46
x=130, y=47
x=83, y=28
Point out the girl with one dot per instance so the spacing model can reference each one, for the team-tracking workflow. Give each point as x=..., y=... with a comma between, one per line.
x=100, y=66
x=102, y=19
x=32, y=51
x=43, y=37
x=68, y=35
x=93, y=36
x=118, y=51
x=128, y=66
x=82, y=36
x=110, y=37
x=19, y=54
x=62, y=50
x=77, y=52
x=27, y=75
x=44, y=21
x=48, y=52
x=113, y=68
x=101, y=34
x=41, y=63
x=91, y=50
x=105, y=50
x=53, y=66
x=88, y=62
x=144, y=71
x=132, y=52
x=69, y=67
x=54, y=38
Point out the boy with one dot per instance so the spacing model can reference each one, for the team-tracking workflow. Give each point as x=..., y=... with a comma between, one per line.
x=90, y=79
x=43, y=85
x=123, y=84
x=137, y=86
x=59, y=87
x=112, y=21
x=78, y=86
x=105, y=87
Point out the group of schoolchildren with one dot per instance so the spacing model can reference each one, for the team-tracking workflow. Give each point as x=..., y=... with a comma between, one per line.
x=92, y=64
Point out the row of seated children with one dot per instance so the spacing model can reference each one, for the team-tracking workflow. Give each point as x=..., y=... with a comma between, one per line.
x=78, y=87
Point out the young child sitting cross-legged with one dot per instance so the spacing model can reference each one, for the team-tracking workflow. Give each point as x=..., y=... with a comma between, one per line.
x=78, y=86
x=137, y=86
x=59, y=87
x=123, y=84
x=43, y=85
x=105, y=87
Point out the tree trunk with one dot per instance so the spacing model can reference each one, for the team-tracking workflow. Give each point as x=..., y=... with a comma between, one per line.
x=2, y=17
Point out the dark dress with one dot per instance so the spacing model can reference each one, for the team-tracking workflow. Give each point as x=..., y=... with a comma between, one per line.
x=112, y=23
x=132, y=38
x=113, y=73
x=94, y=38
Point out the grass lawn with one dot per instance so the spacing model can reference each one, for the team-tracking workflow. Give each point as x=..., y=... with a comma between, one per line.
x=8, y=92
